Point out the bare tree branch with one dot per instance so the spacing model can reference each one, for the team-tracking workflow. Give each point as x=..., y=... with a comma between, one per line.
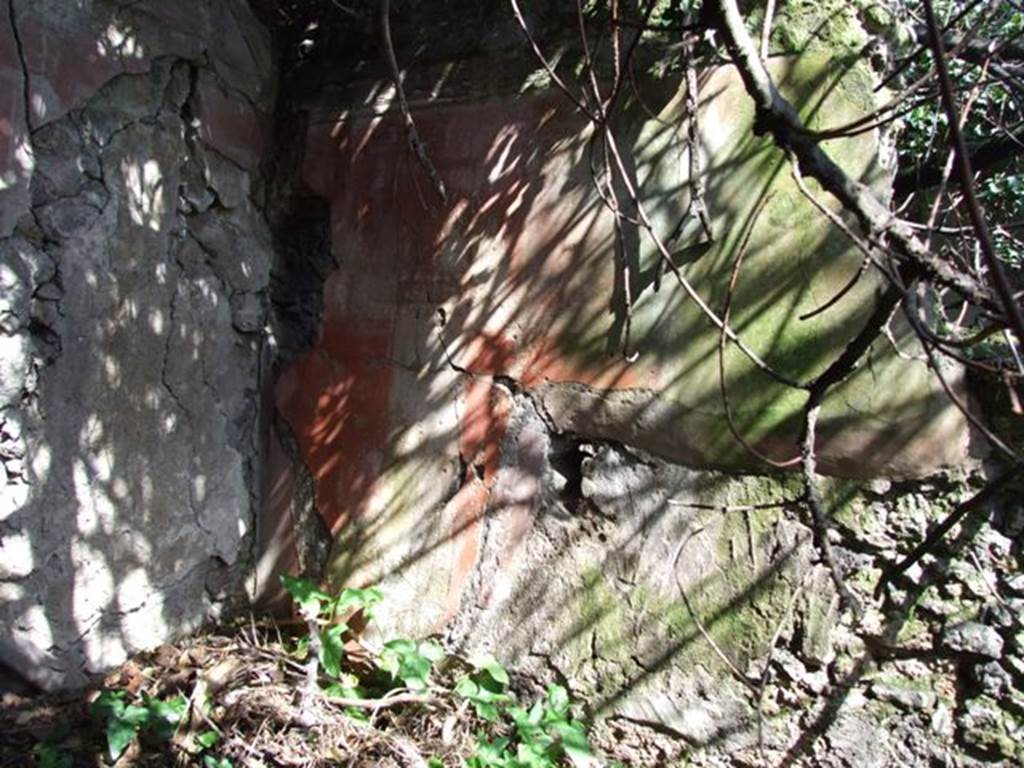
x=963, y=164
x=410, y=126
x=775, y=115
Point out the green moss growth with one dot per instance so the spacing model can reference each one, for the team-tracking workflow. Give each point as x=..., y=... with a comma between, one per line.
x=830, y=26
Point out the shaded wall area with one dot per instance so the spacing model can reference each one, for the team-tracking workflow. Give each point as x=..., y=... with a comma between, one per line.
x=134, y=263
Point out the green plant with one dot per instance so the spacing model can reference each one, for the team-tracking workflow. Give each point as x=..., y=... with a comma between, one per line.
x=124, y=720
x=316, y=603
x=348, y=687
x=410, y=662
x=206, y=739
x=49, y=755
x=485, y=688
x=546, y=736
x=209, y=761
x=318, y=607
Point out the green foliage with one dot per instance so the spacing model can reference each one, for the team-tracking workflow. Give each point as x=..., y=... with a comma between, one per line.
x=164, y=716
x=332, y=649
x=50, y=756
x=485, y=688
x=315, y=603
x=546, y=736
x=124, y=721
x=320, y=607
x=310, y=599
x=348, y=687
x=411, y=663
x=543, y=735
x=995, y=113
x=365, y=600
x=206, y=739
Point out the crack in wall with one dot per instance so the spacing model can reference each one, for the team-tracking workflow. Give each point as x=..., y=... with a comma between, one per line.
x=26, y=84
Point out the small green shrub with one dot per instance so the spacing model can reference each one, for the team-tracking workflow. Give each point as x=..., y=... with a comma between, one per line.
x=485, y=688
x=411, y=663
x=124, y=720
x=545, y=735
x=50, y=756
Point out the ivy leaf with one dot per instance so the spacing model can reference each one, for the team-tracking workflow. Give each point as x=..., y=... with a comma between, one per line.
x=489, y=754
x=400, y=646
x=332, y=649
x=431, y=651
x=466, y=688
x=123, y=720
x=573, y=737
x=391, y=656
x=414, y=671
x=404, y=660
x=207, y=739
x=365, y=599
x=163, y=716
x=49, y=756
x=558, y=700
x=107, y=704
x=306, y=594
x=135, y=716
x=484, y=701
x=119, y=735
x=495, y=670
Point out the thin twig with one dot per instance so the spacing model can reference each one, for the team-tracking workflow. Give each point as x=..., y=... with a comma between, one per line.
x=777, y=116
x=726, y=311
x=819, y=519
x=763, y=682
x=963, y=165
x=415, y=143
x=548, y=67
x=766, y=27
x=700, y=625
x=727, y=508
x=385, y=702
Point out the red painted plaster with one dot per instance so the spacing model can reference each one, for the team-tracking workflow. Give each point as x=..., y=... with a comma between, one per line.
x=466, y=510
x=337, y=398
x=400, y=249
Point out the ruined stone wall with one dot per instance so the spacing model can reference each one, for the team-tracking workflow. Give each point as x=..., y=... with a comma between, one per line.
x=464, y=401
x=134, y=260
x=444, y=318
x=528, y=469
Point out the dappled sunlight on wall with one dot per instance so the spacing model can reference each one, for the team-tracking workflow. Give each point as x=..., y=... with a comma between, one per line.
x=129, y=423
x=495, y=436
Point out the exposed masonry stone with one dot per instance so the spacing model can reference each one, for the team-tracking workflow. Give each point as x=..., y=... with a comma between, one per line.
x=975, y=638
